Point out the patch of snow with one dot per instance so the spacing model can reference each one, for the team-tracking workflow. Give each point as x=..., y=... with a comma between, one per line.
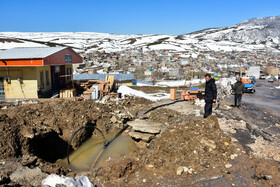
x=53, y=180
x=180, y=82
x=124, y=90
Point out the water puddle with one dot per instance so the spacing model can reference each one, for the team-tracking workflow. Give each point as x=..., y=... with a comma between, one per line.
x=92, y=152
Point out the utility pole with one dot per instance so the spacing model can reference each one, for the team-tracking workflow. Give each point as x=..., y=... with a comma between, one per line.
x=240, y=69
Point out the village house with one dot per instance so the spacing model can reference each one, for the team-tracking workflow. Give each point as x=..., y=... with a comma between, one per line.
x=24, y=70
x=175, y=72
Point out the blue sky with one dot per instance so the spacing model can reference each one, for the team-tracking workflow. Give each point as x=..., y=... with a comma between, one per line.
x=129, y=16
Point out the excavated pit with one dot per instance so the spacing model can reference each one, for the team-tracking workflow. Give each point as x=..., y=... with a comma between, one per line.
x=48, y=147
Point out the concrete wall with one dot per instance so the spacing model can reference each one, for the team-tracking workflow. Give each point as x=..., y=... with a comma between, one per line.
x=23, y=82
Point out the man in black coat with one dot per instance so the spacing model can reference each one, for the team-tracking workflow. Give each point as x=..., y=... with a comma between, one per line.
x=210, y=95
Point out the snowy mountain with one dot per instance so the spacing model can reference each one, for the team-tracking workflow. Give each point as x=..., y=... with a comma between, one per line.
x=251, y=35
x=253, y=31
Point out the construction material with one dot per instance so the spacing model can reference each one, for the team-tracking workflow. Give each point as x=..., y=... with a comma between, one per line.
x=173, y=93
x=99, y=88
x=67, y=93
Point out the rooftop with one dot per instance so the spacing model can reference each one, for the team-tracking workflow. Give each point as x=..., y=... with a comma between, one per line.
x=29, y=52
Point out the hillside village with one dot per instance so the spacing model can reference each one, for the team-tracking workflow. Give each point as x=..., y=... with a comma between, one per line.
x=169, y=64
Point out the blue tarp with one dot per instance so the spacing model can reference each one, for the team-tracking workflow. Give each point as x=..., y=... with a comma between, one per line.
x=193, y=89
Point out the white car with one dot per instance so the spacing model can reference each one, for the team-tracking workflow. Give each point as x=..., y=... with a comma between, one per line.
x=271, y=79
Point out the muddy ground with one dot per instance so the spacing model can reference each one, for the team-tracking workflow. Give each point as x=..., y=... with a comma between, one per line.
x=222, y=150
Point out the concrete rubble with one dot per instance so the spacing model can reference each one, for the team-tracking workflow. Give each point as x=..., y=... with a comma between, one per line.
x=144, y=130
x=27, y=176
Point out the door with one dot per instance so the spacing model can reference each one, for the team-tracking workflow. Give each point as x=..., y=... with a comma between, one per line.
x=56, y=82
x=55, y=73
x=2, y=90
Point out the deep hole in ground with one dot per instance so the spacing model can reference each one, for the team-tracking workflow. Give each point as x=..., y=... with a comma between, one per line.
x=48, y=147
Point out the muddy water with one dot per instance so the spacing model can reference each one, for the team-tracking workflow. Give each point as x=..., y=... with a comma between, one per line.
x=89, y=153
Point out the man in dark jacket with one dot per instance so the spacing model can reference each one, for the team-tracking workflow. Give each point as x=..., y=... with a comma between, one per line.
x=239, y=89
x=210, y=95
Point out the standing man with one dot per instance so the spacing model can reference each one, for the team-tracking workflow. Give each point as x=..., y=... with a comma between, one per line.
x=210, y=95
x=239, y=89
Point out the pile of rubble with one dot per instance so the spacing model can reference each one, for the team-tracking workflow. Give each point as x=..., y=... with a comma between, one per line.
x=145, y=130
x=194, y=146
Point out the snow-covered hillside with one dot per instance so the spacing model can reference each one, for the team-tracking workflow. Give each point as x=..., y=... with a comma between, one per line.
x=250, y=35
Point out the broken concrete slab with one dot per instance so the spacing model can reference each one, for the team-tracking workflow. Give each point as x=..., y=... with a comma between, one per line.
x=142, y=136
x=146, y=126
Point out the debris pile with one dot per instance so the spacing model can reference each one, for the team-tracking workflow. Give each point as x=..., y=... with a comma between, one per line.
x=195, y=146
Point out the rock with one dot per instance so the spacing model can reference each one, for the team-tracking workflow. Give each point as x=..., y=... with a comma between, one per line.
x=268, y=177
x=28, y=177
x=146, y=126
x=232, y=131
x=142, y=136
x=113, y=119
x=105, y=99
x=234, y=139
x=117, y=111
x=277, y=125
x=144, y=180
x=186, y=169
x=233, y=156
x=4, y=108
x=216, y=177
x=4, y=176
x=172, y=130
x=228, y=166
x=190, y=171
x=209, y=143
x=150, y=166
x=28, y=160
x=180, y=170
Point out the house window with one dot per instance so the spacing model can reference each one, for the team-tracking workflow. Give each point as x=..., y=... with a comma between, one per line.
x=42, y=78
x=47, y=78
x=69, y=71
x=68, y=59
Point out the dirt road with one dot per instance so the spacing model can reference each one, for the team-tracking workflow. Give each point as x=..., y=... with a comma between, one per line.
x=266, y=96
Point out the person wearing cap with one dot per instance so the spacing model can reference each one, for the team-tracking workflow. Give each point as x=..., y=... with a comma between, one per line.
x=239, y=89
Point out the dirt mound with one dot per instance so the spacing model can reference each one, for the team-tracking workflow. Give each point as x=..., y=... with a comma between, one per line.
x=165, y=116
x=199, y=144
